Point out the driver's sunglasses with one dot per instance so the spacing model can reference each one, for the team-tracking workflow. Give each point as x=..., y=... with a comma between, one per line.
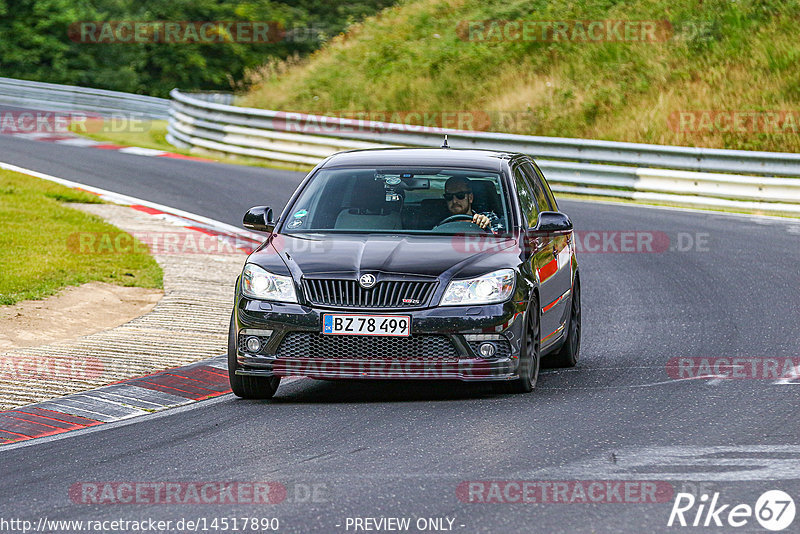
x=461, y=195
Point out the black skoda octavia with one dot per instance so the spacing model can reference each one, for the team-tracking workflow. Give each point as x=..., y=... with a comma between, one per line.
x=409, y=264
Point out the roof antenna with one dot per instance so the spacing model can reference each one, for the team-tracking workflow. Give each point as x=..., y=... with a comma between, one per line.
x=445, y=145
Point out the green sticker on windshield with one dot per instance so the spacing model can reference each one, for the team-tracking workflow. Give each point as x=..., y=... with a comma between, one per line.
x=300, y=214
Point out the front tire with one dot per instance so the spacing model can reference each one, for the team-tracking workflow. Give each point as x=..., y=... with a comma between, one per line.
x=530, y=354
x=569, y=353
x=247, y=387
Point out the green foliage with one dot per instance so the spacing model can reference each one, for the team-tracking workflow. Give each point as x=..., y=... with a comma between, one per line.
x=35, y=44
x=718, y=55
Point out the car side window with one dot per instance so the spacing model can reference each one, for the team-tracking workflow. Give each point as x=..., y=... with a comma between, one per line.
x=547, y=189
x=526, y=198
x=542, y=202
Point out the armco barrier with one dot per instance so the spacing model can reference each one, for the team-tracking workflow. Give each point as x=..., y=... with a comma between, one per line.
x=683, y=175
x=53, y=97
x=767, y=181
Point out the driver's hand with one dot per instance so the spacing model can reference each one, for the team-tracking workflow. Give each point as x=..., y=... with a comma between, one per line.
x=481, y=220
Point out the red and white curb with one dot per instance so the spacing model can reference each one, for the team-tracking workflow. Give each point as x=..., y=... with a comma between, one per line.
x=71, y=139
x=136, y=396
x=123, y=400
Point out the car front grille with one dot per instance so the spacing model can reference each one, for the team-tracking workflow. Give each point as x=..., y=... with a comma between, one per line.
x=384, y=294
x=411, y=348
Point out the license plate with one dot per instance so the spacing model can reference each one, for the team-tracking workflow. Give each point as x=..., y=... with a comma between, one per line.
x=367, y=325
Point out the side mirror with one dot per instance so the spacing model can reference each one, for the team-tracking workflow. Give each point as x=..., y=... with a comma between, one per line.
x=259, y=219
x=553, y=222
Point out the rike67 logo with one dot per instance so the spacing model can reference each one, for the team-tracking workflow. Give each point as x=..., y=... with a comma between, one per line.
x=774, y=510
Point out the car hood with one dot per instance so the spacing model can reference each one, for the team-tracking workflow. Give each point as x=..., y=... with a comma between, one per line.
x=313, y=255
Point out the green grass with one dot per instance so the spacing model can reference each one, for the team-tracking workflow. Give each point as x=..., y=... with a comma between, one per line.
x=37, y=235
x=720, y=55
x=145, y=134
x=153, y=134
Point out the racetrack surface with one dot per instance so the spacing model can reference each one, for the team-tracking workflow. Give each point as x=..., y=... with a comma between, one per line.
x=221, y=192
x=383, y=449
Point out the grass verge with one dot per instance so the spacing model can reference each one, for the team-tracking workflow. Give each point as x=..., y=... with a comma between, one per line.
x=35, y=253
x=153, y=134
x=713, y=59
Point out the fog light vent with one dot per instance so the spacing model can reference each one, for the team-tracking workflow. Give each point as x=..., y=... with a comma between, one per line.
x=487, y=350
x=253, y=344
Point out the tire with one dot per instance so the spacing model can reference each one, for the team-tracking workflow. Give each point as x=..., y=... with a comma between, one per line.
x=247, y=387
x=569, y=353
x=530, y=355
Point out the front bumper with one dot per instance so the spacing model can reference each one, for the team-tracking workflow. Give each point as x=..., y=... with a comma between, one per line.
x=462, y=327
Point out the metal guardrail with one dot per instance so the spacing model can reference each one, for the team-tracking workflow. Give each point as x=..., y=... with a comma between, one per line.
x=54, y=97
x=653, y=173
x=683, y=175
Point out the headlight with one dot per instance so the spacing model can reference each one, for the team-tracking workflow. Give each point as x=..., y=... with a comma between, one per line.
x=260, y=284
x=487, y=289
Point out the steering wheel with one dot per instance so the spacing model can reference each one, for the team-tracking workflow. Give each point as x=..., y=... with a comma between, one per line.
x=454, y=218
x=461, y=218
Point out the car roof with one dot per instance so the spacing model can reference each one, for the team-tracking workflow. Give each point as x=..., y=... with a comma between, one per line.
x=439, y=157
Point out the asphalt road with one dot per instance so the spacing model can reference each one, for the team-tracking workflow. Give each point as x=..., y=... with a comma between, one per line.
x=221, y=192
x=375, y=450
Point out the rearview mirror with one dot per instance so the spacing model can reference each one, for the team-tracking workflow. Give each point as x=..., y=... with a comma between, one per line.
x=259, y=219
x=553, y=222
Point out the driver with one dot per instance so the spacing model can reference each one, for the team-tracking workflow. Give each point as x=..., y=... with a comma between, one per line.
x=459, y=197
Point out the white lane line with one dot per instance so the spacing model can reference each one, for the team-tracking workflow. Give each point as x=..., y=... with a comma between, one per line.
x=140, y=151
x=79, y=141
x=790, y=378
x=628, y=386
x=717, y=381
x=685, y=462
x=33, y=135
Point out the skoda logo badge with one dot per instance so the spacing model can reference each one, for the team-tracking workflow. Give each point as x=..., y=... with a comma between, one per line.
x=367, y=281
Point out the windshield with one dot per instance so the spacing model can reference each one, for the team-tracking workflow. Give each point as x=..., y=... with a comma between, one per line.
x=406, y=200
